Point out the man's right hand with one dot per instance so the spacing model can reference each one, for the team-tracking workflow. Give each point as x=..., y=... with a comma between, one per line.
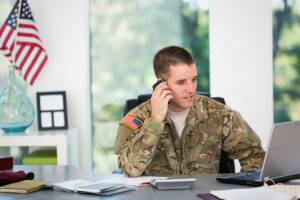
x=159, y=101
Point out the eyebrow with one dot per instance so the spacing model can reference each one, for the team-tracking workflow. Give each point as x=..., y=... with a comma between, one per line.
x=180, y=80
x=195, y=77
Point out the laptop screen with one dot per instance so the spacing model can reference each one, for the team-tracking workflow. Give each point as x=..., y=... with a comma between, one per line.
x=283, y=151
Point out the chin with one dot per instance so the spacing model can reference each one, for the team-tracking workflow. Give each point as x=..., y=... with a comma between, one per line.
x=187, y=105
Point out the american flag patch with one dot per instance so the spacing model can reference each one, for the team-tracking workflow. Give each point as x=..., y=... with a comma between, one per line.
x=132, y=121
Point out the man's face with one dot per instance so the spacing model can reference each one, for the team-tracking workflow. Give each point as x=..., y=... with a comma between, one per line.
x=182, y=80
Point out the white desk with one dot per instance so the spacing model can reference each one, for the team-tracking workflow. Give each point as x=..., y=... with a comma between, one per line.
x=65, y=142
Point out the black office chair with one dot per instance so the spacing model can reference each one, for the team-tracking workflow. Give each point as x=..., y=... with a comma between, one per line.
x=226, y=164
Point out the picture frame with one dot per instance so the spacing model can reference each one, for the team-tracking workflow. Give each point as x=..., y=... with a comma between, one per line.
x=52, y=110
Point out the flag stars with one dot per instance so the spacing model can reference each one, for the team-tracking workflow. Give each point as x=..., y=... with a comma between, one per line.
x=35, y=56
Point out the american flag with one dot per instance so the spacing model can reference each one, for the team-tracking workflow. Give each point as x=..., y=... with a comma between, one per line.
x=28, y=55
x=131, y=121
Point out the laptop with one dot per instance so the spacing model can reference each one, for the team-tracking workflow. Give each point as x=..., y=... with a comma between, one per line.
x=281, y=161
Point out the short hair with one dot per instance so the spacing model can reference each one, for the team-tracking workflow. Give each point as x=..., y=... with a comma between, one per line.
x=168, y=56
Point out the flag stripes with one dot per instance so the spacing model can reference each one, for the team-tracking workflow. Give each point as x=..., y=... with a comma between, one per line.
x=21, y=44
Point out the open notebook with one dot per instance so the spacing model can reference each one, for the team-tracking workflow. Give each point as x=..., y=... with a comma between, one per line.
x=92, y=187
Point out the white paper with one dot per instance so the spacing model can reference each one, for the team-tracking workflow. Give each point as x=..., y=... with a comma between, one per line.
x=297, y=181
x=70, y=185
x=51, y=102
x=136, y=181
x=59, y=119
x=46, y=120
x=259, y=193
x=79, y=185
x=76, y=185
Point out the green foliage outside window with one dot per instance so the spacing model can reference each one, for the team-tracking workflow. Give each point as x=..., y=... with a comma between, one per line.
x=286, y=51
x=125, y=36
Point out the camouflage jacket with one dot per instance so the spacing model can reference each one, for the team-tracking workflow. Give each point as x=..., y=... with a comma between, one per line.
x=154, y=148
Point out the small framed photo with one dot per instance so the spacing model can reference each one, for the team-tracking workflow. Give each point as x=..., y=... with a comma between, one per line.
x=52, y=110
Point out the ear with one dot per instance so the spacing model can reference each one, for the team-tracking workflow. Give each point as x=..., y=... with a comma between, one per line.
x=165, y=77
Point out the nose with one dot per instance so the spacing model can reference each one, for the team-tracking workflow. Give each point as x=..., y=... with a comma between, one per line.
x=191, y=87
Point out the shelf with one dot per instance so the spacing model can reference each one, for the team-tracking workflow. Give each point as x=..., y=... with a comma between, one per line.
x=65, y=142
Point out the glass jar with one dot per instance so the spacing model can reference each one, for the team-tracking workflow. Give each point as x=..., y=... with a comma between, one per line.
x=16, y=110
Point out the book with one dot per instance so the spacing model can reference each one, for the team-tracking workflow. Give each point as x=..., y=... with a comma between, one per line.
x=92, y=187
x=207, y=196
x=23, y=187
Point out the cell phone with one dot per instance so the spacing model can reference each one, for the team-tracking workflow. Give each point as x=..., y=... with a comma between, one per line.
x=157, y=83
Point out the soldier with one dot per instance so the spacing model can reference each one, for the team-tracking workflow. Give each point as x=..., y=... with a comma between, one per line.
x=179, y=132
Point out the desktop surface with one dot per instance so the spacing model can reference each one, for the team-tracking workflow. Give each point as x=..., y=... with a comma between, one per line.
x=204, y=183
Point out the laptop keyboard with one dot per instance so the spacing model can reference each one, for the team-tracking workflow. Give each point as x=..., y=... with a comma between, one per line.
x=250, y=176
x=254, y=175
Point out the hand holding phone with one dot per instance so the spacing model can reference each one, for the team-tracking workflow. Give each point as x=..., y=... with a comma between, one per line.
x=157, y=83
x=160, y=99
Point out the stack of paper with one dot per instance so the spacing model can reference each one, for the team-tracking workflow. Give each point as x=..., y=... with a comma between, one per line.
x=259, y=193
x=92, y=187
x=136, y=181
x=106, y=186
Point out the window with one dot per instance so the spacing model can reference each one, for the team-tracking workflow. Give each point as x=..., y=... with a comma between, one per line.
x=286, y=58
x=125, y=35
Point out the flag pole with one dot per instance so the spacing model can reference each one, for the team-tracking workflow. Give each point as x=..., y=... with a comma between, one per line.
x=13, y=55
x=17, y=26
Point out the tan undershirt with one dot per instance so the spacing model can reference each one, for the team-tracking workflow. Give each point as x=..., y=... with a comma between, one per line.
x=178, y=118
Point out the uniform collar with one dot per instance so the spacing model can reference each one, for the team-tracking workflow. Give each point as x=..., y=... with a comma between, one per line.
x=198, y=110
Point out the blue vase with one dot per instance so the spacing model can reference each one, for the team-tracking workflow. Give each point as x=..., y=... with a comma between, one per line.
x=16, y=110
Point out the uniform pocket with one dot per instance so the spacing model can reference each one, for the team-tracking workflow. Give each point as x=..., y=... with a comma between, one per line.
x=210, y=144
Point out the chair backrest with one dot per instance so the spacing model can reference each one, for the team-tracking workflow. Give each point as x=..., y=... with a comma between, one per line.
x=226, y=164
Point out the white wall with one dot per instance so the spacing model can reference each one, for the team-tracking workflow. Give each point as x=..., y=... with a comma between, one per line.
x=241, y=59
x=64, y=28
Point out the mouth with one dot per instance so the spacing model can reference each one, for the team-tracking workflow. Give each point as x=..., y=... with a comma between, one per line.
x=188, y=97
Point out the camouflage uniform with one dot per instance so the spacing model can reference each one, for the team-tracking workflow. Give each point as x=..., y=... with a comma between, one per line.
x=154, y=148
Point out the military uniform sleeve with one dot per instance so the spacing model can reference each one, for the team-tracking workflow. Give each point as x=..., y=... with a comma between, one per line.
x=135, y=147
x=241, y=142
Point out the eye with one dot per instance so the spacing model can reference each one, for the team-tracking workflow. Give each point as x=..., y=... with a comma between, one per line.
x=180, y=82
x=195, y=79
